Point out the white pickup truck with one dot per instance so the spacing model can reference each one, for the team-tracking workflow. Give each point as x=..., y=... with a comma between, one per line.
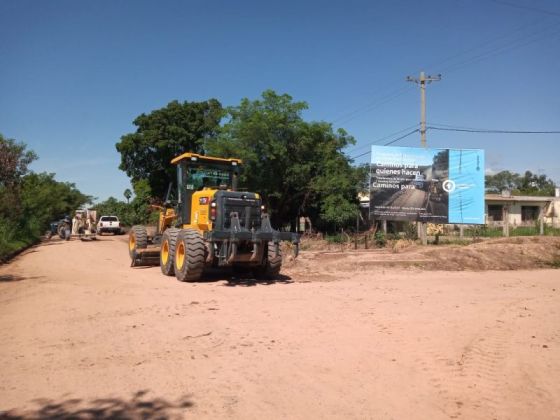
x=109, y=224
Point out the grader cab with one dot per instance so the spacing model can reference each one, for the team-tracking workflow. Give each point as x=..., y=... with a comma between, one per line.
x=210, y=224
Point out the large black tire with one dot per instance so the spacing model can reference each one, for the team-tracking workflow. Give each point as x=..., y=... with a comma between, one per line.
x=137, y=239
x=167, y=253
x=61, y=231
x=190, y=254
x=272, y=263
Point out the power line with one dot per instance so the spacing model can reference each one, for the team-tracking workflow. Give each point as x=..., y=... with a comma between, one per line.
x=517, y=43
x=519, y=6
x=508, y=46
x=387, y=144
x=343, y=119
x=388, y=136
x=480, y=130
x=488, y=41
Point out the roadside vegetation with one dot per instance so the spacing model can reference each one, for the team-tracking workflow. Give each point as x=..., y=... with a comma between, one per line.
x=297, y=166
x=29, y=201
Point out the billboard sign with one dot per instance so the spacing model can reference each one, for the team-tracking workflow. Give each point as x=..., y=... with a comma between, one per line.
x=428, y=185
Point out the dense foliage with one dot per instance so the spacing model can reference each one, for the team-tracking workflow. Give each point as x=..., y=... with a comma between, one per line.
x=162, y=135
x=297, y=166
x=135, y=212
x=29, y=201
x=526, y=184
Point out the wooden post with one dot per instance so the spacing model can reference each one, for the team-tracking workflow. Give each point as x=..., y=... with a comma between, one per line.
x=357, y=230
x=461, y=231
x=384, y=224
x=541, y=217
x=422, y=233
x=506, y=221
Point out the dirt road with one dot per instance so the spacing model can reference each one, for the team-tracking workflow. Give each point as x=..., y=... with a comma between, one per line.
x=83, y=334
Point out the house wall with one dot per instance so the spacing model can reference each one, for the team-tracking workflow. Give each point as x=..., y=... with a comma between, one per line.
x=515, y=218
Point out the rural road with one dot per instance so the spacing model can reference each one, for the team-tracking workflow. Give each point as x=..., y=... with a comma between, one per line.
x=82, y=333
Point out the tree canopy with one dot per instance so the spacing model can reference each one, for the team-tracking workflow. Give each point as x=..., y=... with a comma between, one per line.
x=526, y=184
x=162, y=135
x=137, y=211
x=29, y=201
x=297, y=166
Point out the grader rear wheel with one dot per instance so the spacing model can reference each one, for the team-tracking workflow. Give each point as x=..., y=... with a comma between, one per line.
x=167, y=254
x=137, y=239
x=272, y=263
x=190, y=253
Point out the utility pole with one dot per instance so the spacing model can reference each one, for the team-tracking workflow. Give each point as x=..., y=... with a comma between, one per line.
x=422, y=80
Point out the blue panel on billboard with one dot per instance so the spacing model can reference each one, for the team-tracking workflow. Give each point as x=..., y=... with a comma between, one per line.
x=429, y=185
x=466, y=186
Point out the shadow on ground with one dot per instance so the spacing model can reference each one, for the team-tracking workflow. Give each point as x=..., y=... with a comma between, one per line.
x=138, y=407
x=249, y=280
x=6, y=278
x=231, y=277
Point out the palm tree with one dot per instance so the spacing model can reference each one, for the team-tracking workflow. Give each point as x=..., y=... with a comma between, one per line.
x=127, y=194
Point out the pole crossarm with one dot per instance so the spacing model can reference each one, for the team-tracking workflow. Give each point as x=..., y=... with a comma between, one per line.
x=422, y=80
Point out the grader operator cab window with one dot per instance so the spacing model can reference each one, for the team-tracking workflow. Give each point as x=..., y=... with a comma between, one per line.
x=202, y=177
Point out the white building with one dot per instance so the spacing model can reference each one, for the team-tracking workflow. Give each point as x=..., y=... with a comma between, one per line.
x=521, y=210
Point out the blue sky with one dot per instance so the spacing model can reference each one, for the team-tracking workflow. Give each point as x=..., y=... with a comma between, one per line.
x=75, y=74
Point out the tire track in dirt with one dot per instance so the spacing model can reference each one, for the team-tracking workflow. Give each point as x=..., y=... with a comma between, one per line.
x=474, y=385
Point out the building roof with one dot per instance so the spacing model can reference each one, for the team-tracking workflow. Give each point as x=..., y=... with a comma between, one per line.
x=519, y=198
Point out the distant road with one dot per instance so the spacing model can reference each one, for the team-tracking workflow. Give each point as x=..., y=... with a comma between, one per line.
x=408, y=198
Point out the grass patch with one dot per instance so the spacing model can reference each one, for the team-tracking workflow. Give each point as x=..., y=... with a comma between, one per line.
x=555, y=263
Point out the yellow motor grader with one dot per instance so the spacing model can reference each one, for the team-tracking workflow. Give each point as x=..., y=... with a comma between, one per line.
x=210, y=224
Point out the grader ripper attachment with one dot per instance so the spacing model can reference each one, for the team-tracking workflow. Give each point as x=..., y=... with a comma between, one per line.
x=210, y=224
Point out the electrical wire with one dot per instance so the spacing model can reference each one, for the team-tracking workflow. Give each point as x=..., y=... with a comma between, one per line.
x=343, y=119
x=388, y=136
x=487, y=42
x=532, y=9
x=480, y=130
x=389, y=143
x=515, y=44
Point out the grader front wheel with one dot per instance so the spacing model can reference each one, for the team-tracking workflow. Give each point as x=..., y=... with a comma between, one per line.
x=189, y=255
x=167, y=254
x=137, y=239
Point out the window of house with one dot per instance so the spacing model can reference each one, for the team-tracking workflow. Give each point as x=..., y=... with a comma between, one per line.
x=495, y=212
x=529, y=213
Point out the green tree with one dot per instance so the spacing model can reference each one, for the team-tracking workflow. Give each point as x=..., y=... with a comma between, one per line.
x=137, y=211
x=14, y=161
x=164, y=134
x=503, y=180
x=127, y=194
x=526, y=184
x=297, y=166
x=533, y=184
x=29, y=201
x=44, y=199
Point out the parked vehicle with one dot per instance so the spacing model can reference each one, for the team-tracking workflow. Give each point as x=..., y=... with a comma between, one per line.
x=80, y=226
x=109, y=224
x=62, y=228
